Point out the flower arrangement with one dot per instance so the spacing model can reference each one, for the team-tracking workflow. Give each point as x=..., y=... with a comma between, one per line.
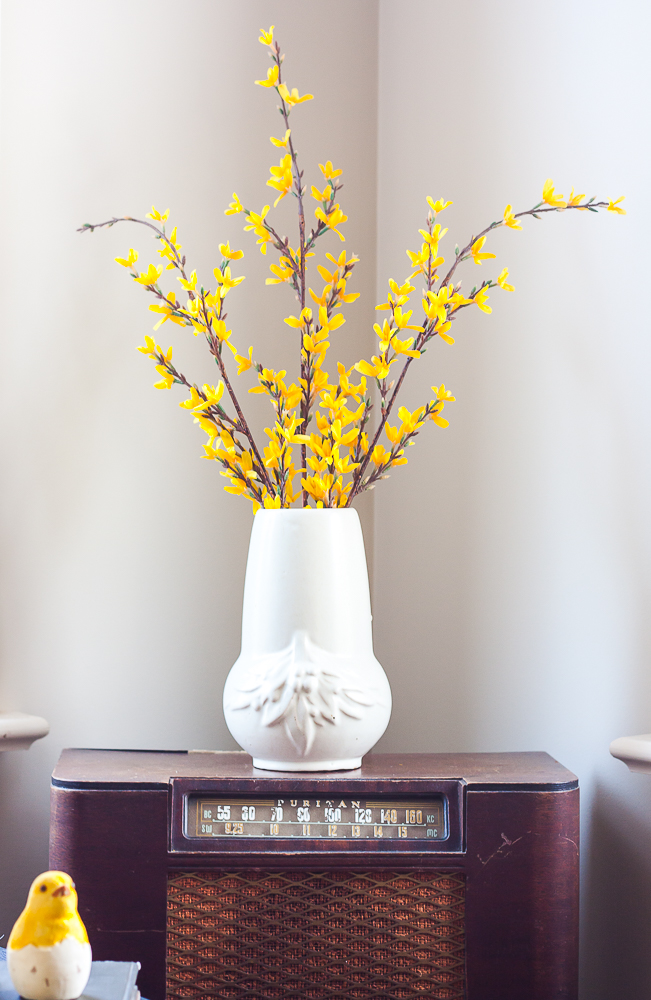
x=328, y=418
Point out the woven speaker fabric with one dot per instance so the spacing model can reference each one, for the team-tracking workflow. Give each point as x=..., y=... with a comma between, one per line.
x=316, y=935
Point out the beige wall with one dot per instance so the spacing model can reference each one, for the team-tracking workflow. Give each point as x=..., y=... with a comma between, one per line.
x=122, y=557
x=510, y=558
x=514, y=549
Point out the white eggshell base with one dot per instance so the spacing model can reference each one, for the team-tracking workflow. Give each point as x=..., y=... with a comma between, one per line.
x=56, y=973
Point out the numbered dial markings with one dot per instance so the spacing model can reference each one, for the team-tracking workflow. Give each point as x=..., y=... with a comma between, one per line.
x=337, y=818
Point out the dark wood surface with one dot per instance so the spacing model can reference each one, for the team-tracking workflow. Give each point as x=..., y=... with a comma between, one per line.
x=522, y=895
x=98, y=768
x=111, y=816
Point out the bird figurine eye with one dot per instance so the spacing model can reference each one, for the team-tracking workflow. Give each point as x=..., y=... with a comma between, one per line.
x=43, y=888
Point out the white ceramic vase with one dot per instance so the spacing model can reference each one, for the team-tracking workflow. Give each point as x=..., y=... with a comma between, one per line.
x=307, y=693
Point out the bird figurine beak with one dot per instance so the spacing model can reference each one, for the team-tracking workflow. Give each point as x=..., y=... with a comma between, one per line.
x=48, y=953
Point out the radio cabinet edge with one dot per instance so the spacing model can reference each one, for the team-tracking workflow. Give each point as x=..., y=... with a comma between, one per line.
x=432, y=876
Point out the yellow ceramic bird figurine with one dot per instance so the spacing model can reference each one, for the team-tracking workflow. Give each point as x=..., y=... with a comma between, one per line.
x=48, y=954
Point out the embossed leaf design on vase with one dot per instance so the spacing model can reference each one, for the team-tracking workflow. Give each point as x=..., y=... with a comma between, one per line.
x=307, y=693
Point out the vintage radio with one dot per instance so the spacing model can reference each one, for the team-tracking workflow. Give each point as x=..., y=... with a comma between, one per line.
x=416, y=876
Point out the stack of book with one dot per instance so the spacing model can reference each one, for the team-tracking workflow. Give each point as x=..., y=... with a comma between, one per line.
x=108, y=981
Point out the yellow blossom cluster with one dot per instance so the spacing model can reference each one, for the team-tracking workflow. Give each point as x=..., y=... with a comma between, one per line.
x=323, y=448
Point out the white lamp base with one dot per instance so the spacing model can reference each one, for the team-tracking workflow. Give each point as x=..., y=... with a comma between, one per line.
x=635, y=751
x=18, y=731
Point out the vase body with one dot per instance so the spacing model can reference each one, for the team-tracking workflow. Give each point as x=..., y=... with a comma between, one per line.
x=306, y=693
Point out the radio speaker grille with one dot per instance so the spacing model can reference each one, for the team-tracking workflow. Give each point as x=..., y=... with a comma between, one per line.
x=316, y=935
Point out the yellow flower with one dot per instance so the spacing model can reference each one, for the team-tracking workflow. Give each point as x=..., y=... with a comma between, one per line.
x=442, y=330
x=393, y=433
x=272, y=78
x=442, y=393
x=502, y=282
x=318, y=487
x=167, y=311
x=223, y=335
x=612, y=206
x=341, y=261
x=434, y=237
x=235, y=206
x=438, y=206
x=193, y=402
x=333, y=219
x=167, y=380
x=555, y=200
x=213, y=394
x=329, y=323
x=283, y=272
x=510, y=219
x=434, y=304
x=379, y=455
x=427, y=251
x=402, y=320
x=475, y=249
x=410, y=421
x=196, y=404
x=228, y=254
x=329, y=171
x=343, y=439
x=266, y=37
x=400, y=290
x=419, y=259
x=404, y=346
x=385, y=333
x=156, y=215
x=224, y=279
x=438, y=419
x=172, y=239
x=281, y=142
x=190, y=284
x=298, y=322
x=457, y=300
x=131, y=258
x=228, y=442
x=243, y=364
x=256, y=223
x=379, y=369
x=574, y=199
x=152, y=349
x=245, y=461
x=150, y=276
x=272, y=504
x=481, y=298
x=281, y=177
x=292, y=98
x=321, y=195
x=273, y=453
x=344, y=465
x=322, y=299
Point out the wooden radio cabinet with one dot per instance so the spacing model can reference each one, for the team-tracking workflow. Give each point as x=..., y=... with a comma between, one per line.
x=432, y=876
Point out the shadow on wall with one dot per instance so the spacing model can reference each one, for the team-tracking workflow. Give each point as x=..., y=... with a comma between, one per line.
x=24, y=810
x=617, y=957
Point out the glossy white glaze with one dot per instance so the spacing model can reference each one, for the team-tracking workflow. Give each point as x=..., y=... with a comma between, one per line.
x=307, y=693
